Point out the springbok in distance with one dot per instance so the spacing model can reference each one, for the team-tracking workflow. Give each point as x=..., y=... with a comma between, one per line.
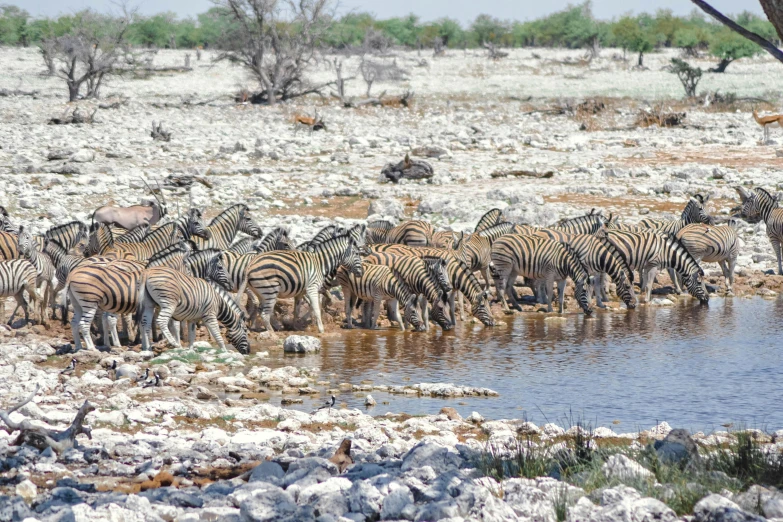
x=315, y=123
x=773, y=120
x=133, y=216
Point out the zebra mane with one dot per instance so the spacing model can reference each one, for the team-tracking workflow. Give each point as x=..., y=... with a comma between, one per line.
x=331, y=243
x=328, y=232
x=271, y=240
x=684, y=251
x=227, y=299
x=202, y=256
x=764, y=194
x=166, y=231
x=570, y=250
x=492, y=217
x=169, y=251
x=228, y=214
x=503, y=228
x=58, y=228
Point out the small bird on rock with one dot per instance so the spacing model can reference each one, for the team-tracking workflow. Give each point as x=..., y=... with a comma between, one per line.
x=145, y=376
x=155, y=382
x=70, y=368
x=328, y=404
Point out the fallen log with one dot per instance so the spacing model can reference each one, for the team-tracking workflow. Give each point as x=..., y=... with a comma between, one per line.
x=523, y=173
x=42, y=438
x=407, y=169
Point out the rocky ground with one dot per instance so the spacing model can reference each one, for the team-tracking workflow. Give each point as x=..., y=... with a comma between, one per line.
x=190, y=450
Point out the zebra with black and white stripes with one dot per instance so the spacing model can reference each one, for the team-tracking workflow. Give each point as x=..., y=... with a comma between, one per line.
x=100, y=240
x=649, y=252
x=44, y=267
x=379, y=283
x=711, y=244
x=587, y=224
x=133, y=235
x=490, y=218
x=411, y=233
x=419, y=276
x=192, y=227
x=16, y=277
x=182, y=297
x=292, y=273
x=694, y=212
x=68, y=235
x=445, y=265
x=760, y=203
x=225, y=226
x=537, y=258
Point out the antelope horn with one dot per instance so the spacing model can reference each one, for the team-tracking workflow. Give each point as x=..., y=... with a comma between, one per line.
x=160, y=189
x=149, y=188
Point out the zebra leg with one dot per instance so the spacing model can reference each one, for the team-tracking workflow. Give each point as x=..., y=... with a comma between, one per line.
x=213, y=327
x=267, y=309
x=675, y=281
x=650, y=278
x=84, y=323
x=191, y=333
x=461, y=307
x=560, y=294
x=776, y=248
x=512, y=295
x=174, y=328
x=424, y=312
x=313, y=299
x=147, y=317
x=348, y=300
x=164, y=316
x=21, y=302
x=453, y=308
x=393, y=307
x=376, y=311
x=597, y=289
x=487, y=278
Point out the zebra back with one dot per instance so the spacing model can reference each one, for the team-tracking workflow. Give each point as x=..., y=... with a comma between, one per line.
x=413, y=270
x=134, y=235
x=378, y=232
x=172, y=256
x=243, y=246
x=225, y=226
x=277, y=239
x=587, y=224
x=708, y=243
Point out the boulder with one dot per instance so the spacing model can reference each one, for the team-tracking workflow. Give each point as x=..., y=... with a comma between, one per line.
x=268, y=471
x=676, y=447
x=397, y=503
x=426, y=453
x=528, y=502
x=431, y=151
x=386, y=207
x=301, y=344
x=82, y=156
x=267, y=505
x=329, y=497
x=365, y=498
x=716, y=508
x=621, y=468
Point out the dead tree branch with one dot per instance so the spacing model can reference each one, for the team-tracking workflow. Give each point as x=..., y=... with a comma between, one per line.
x=159, y=133
x=75, y=117
x=42, y=438
x=750, y=35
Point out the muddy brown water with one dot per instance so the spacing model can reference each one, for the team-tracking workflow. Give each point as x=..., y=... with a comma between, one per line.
x=693, y=366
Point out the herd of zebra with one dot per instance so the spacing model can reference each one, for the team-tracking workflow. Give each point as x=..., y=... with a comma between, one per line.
x=187, y=271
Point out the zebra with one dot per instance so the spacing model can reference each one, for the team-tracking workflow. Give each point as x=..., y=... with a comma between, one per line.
x=100, y=240
x=761, y=203
x=649, y=251
x=538, y=258
x=68, y=235
x=587, y=224
x=173, y=256
x=419, y=277
x=181, y=297
x=599, y=258
x=109, y=286
x=411, y=233
x=208, y=264
x=379, y=283
x=9, y=246
x=63, y=264
x=444, y=239
x=190, y=226
x=16, y=277
x=292, y=273
x=226, y=225
x=277, y=239
x=44, y=267
x=693, y=212
x=458, y=276
x=492, y=217
x=711, y=244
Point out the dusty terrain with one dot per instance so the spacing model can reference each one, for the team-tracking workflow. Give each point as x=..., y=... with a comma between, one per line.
x=472, y=119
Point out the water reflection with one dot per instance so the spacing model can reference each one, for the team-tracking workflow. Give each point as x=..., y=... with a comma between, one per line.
x=694, y=366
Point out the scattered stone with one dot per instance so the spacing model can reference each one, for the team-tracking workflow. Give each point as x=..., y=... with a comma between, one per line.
x=301, y=344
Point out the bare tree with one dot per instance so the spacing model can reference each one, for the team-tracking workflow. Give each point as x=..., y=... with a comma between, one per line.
x=89, y=53
x=774, y=11
x=276, y=40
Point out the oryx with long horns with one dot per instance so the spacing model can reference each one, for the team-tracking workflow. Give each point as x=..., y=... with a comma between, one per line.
x=133, y=216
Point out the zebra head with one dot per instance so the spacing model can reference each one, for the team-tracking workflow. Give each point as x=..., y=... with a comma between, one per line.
x=625, y=290
x=357, y=233
x=247, y=225
x=351, y=261
x=694, y=211
x=582, y=294
x=481, y=310
x=24, y=242
x=196, y=225
x=411, y=314
x=231, y=315
x=436, y=267
x=5, y=224
x=438, y=314
x=216, y=271
x=99, y=240
x=694, y=283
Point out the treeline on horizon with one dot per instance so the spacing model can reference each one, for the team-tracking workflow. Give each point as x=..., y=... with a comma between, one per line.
x=574, y=27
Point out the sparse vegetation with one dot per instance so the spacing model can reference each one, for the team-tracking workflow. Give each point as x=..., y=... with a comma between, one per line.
x=689, y=76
